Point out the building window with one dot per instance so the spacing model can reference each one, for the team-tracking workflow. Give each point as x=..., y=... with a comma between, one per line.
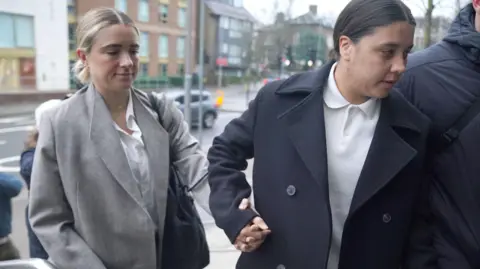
x=224, y=48
x=247, y=26
x=163, y=46
x=24, y=32
x=234, y=60
x=71, y=7
x=235, y=24
x=235, y=51
x=163, y=70
x=17, y=31
x=181, y=69
x=143, y=11
x=143, y=44
x=121, y=5
x=163, y=13
x=182, y=17
x=234, y=34
x=144, y=69
x=71, y=36
x=181, y=47
x=7, y=35
x=224, y=22
x=238, y=3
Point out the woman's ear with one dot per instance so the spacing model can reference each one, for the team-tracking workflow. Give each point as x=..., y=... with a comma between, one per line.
x=345, y=46
x=82, y=56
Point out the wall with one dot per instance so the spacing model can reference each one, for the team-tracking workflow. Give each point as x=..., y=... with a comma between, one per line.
x=51, y=41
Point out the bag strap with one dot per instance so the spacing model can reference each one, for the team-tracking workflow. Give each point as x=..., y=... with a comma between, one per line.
x=448, y=137
x=154, y=105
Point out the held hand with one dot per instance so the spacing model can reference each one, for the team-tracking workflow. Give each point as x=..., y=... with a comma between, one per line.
x=254, y=234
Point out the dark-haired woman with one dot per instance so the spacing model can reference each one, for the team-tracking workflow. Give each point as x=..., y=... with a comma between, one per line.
x=339, y=154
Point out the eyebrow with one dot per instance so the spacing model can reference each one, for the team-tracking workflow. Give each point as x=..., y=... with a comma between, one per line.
x=394, y=45
x=116, y=46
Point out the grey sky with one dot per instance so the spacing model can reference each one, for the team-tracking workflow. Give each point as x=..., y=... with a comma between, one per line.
x=263, y=10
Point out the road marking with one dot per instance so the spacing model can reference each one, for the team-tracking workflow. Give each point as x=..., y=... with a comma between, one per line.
x=17, y=129
x=9, y=169
x=14, y=119
x=26, y=122
x=3, y=142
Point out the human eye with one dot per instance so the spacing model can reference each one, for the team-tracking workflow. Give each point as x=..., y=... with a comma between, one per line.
x=112, y=52
x=388, y=53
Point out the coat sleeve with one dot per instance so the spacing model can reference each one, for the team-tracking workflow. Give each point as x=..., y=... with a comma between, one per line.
x=26, y=163
x=10, y=185
x=49, y=211
x=189, y=158
x=228, y=158
x=420, y=253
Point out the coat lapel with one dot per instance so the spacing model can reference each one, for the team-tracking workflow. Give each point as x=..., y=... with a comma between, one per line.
x=108, y=146
x=156, y=141
x=305, y=123
x=388, y=153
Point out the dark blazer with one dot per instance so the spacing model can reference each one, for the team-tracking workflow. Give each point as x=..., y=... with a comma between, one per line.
x=284, y=130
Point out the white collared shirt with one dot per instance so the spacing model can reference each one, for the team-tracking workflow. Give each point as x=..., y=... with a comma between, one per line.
x=349, y=131
x=137, y=157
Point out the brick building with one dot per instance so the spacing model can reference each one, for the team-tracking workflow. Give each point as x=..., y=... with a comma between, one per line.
x=162, y=32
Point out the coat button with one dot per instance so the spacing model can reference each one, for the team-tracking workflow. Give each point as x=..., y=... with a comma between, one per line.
x=291, y=190
x=281, y=266
x=386, y=218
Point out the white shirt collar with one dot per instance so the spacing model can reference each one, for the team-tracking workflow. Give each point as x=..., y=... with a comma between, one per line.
x=335, y=100
x=130, y=114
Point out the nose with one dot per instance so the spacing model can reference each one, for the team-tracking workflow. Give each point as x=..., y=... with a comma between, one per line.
x=399, y=64
x=125, y=60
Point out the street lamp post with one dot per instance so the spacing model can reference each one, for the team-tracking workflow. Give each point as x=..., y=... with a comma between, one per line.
x=200, y=69
x=188, y=69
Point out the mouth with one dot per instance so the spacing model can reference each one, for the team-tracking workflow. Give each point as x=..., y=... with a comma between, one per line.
x=124, y=75
x=389, y=82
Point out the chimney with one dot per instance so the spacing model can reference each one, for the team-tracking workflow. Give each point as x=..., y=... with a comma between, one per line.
x=313, y=9
x=280, y=17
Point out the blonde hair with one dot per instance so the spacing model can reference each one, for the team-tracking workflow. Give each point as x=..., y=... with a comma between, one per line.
x=88, y=27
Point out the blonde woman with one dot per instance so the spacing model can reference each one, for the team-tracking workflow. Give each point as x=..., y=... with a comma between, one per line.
x=101, y=172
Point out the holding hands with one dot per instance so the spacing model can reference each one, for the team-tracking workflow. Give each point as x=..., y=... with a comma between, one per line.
x=253, y=235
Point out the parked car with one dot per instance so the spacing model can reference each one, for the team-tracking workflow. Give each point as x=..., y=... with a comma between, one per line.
x=271, y=78
x=209, y=106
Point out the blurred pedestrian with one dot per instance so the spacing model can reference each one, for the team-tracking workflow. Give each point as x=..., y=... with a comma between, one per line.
x=26, y=163
x=10, y=186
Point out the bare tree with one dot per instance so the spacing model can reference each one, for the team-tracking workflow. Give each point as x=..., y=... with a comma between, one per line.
x=427, y=34
x=427, y=6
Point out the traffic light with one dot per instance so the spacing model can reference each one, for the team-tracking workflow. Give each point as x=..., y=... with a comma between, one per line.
x=289, y=53
x=279, y=61
x=311, y=59
x=313, y=56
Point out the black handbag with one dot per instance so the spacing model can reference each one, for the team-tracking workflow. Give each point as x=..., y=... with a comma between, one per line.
x=184, y=242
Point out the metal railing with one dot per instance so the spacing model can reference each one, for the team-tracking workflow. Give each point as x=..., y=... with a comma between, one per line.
x=27, y=264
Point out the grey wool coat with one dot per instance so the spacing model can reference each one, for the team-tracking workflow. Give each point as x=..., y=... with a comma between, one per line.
x=85, y=206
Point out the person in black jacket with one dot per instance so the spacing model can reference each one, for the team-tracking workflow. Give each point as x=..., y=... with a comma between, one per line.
x=443, y=81
x=338, y=158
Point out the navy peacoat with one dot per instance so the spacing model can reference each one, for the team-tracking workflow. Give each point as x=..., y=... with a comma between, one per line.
x=283, y=130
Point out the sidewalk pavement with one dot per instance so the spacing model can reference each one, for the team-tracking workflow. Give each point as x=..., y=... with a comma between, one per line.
x=222, y=254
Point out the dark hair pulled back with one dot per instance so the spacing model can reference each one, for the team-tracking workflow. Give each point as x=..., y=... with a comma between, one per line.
x=361, y=17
